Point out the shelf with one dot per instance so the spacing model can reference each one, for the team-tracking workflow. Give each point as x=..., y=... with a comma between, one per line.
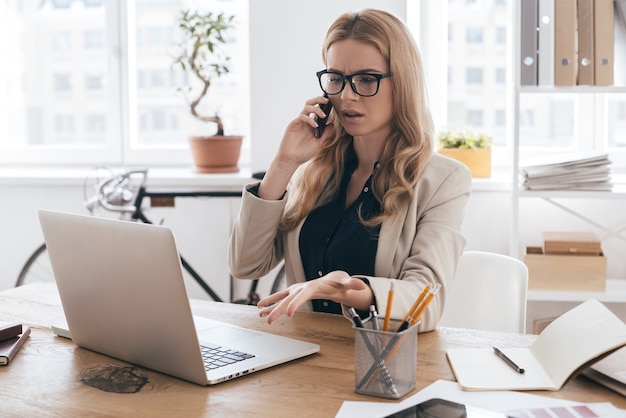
x=573, y=89
x=619, y=192
x=615, y=292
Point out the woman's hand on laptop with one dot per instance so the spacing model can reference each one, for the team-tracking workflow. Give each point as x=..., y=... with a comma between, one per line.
x=337, y=286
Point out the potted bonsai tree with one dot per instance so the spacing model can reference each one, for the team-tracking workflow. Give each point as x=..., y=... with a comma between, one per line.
x=471, y=148
x=201, y=55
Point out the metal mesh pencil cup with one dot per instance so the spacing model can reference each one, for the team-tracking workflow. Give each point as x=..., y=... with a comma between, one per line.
x=385, y=363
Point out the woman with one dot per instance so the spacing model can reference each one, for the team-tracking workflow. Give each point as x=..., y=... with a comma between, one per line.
x=365, y=204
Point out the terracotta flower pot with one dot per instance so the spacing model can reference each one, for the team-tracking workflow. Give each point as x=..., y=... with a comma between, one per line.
x=215, y=154
x=478, y=160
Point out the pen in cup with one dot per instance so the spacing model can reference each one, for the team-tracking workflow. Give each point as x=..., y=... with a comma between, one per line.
x=417, y=310
x=356, y=318
x=508, y=360
x=374, y=317
x=388, y=382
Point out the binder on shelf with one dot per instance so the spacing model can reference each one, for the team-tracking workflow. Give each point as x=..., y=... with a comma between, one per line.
x=565, y=23
x=620, y=5
x=528, y=43
x=604, y=42
x=545, y=55
x=586, y=42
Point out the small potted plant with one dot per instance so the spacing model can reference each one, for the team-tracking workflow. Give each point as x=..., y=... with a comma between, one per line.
x=471, y=148
x=201, y=55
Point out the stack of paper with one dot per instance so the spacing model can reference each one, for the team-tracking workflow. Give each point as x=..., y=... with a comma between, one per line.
x=578, y=171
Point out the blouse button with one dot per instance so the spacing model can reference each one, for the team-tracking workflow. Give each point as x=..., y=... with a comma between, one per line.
x=366, y=189
x=325, y=304
x=319, y=273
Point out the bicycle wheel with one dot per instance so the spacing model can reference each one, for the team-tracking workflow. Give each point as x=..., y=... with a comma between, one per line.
x=37, y=268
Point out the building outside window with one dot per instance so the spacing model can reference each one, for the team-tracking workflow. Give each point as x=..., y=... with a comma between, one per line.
x=64, y=51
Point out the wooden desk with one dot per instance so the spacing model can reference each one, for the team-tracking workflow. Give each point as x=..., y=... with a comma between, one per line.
x=45, y=377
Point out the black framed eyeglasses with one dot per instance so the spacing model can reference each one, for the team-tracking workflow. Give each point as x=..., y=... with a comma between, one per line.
x=363, y=84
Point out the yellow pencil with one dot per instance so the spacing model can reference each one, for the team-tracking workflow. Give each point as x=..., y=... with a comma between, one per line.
x=422, y=308
x=411, y=313
x=388, y=310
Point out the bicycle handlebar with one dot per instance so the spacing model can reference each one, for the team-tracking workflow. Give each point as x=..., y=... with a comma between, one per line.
x=116, y=192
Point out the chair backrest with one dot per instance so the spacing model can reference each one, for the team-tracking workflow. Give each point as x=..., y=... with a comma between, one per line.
x=488, y=293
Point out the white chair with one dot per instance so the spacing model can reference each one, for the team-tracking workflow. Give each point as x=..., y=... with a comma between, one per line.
x=488, y=293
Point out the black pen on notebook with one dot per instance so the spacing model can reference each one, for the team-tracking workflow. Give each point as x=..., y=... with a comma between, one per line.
x=507, y=360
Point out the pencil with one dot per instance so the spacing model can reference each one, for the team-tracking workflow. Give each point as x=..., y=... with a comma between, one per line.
x=411, y=313
x=424, y=305
x=389, y=304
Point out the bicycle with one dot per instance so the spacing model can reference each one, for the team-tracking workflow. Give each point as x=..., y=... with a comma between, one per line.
x=124, y=193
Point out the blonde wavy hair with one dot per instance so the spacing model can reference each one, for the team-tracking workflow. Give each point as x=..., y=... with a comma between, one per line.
x=410, y=145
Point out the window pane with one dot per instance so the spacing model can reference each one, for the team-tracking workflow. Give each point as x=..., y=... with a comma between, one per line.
x=162, y=111
x=477, y=65
x=616, y=123
x=549, y=123
x=52, y=96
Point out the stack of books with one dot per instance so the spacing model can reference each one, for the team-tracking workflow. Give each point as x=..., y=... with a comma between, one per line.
x=578, y=171
x=12, y=337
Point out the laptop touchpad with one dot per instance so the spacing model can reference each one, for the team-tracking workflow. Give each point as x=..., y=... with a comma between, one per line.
x=226, y=335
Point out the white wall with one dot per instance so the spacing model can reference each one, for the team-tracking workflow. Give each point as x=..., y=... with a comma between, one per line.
x=286, y=52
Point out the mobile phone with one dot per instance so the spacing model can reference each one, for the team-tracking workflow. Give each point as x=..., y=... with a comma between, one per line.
x=321, y=122
x=441, y=408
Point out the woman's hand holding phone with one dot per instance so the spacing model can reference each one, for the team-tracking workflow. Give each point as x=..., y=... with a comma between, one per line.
x=299, y=144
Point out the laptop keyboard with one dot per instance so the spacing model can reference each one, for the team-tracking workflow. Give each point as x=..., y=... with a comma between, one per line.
x=216, y=356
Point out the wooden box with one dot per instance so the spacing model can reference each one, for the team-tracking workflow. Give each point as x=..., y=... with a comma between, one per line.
x=580, y=243
x=565, y=272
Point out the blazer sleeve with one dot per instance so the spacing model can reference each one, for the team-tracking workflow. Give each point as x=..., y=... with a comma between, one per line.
x=255, y=242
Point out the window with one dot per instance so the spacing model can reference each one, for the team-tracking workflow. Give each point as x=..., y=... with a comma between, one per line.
x=64, y=125
x=500, y=35
x=474, y=76
x=477, y=67
x=548, y=122
x=500, y=118
x=110, y=91
x=500, y=76
x=95, y=123
x=475, y=118
x=62, y=82
x=94, y=39
x=474, y=35
x=93, y=82
x=61, y=42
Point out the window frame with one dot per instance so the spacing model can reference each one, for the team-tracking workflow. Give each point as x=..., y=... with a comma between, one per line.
x=120, y=145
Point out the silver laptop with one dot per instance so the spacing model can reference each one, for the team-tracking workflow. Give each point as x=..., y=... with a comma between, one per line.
x=123, y=294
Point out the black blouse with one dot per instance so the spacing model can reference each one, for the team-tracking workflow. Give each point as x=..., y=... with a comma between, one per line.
x=333, y=238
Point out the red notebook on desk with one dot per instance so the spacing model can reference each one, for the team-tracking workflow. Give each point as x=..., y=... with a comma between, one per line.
x=10, y=347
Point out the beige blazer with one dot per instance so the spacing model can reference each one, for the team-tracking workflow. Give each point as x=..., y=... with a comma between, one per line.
x=418, y=246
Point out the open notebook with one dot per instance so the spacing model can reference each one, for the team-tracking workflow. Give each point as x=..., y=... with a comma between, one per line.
x=569, y=344
x=123, y=294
